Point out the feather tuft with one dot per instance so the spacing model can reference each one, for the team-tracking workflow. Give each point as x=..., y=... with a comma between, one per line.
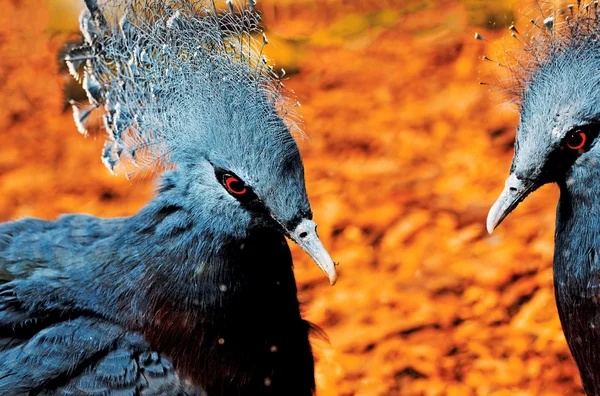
x=166, y=73
x=81, y=115
x=562, y=30
x=76, y=60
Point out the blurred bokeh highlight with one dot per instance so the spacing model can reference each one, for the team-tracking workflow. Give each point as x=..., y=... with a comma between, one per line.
x=406, y=154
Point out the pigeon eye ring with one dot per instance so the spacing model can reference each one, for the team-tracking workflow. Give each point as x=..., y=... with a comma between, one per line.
x=577, y=140
x=234, y=185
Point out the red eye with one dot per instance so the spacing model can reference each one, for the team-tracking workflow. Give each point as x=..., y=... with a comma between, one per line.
x=577, y=140
x=235, y=185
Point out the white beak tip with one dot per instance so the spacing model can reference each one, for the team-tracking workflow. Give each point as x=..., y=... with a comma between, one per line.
x=494, y=215
x=332, y=279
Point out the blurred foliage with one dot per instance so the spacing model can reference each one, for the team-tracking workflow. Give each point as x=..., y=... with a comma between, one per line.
x=406, y=154
x=490, y=14
x=63, y=15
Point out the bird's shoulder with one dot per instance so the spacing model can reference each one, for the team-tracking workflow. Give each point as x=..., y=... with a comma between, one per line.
x=34, y=245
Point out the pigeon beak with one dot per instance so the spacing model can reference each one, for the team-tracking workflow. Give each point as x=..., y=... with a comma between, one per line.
x=515, y=191
x=305, y=235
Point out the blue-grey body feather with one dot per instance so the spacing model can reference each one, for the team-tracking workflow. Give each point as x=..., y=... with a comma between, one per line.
x=196, y=292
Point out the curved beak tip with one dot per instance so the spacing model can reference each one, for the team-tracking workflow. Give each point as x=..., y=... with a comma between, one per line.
x=492, y=219
x=498, y=212
x=333, y=278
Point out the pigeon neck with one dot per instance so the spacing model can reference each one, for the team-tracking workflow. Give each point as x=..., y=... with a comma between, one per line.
x=192, y=262
x=577, y=277
x=224, y=309
x=577, y=248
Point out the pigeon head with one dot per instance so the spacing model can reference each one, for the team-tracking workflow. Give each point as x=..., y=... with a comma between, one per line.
x=245, y=167
x=186, y=87
x=557, y=137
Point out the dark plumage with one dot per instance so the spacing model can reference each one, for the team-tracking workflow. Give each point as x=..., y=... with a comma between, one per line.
x=557, y=142
x=196, y=292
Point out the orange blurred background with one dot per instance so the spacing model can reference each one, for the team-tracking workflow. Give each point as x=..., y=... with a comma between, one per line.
x=406, y=154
